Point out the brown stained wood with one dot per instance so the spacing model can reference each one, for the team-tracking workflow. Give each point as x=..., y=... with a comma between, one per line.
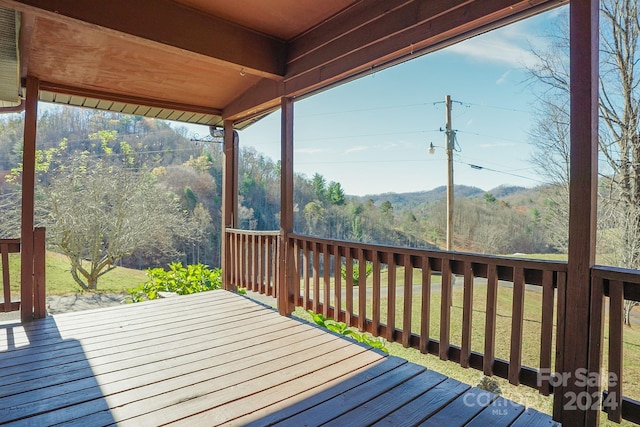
x=517, y=321
x=464, y=408
x=387, y=403
x=28, y=200
x=237, y=362
x=229, y=207
x=375, y=309
x=343, y=403
x=348, y=287
x=296, y=270
x=408, y=301
x=546, y=329
x=362, y=291
x=285, y=282
x=268, y=254
x=326, y=265
x=316, y=279
x=305, y=271
x=337, y=282
x=39, y=273
x=425, y=405
x=560, y=334
x=616, y=306
x=490, y=320
x=425, y=308
x=445, y=310
x=6, y=284
x=467, y=316
x=255, y=272
x=583, y=185
x=501, y=413
x=391, y=297
x=596, y=335
x=311, y=397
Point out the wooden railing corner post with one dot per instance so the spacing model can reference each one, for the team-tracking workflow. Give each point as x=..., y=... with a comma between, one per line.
x=285, y=275
x=39, y=273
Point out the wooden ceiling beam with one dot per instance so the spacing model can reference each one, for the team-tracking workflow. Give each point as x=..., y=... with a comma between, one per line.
x=171, y=24
x=407, y=29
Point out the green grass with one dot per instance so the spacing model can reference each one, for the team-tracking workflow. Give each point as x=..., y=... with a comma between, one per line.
x=60, y=282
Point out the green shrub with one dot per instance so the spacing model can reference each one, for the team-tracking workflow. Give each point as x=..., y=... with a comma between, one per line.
x=356, y=272
x=342, y=329
x=181, y=280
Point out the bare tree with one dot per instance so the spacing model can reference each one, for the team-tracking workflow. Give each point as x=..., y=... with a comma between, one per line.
x=619, y=139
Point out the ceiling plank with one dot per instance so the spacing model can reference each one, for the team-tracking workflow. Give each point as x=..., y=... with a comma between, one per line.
x=171, y=24
x=125, y=99
x=368, y=47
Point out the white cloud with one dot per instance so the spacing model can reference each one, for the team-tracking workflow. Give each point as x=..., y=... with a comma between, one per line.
x=503, y=77
x=356, y=149
x=310, y=150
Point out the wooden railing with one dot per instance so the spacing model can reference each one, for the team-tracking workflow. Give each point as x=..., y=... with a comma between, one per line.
x=618, y=284
x=411, y=291
x=8, y=246
x=254, y=259
x=386, y=308
x=36, y=287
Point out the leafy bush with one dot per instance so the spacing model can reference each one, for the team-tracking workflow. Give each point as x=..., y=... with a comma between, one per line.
x=342, y=329
x=179, y=279
x=356, y=272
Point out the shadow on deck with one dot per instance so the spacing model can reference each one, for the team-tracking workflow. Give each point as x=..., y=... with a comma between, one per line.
x=219, y=358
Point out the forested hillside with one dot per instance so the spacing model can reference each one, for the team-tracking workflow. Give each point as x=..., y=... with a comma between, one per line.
x=187, y=176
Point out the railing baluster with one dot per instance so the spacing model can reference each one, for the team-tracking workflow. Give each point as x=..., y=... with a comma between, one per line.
x=517, y=314
x=546, y=330
x=560, y=315
x=296, y=271
x=6, y=284
x=254, y=264
x=426, y=305
x=391, y=296
x=490, y=320
x=616, y=307
x=326, y=265
x=445, y=310
x=467, y=315
x=348, y=286
x=267, y=265
x=337, y=282
x=316, y=277
x=408, y=301
x=362, y=290
x=375, y=314
x=305, y=272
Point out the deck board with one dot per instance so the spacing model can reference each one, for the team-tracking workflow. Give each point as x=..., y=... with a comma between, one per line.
x=217, y=358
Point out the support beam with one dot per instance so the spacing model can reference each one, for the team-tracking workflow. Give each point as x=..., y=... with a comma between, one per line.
x=171, y=24
x=582, y=211
x=229, y=199
x=28, y=201
x=286, y=279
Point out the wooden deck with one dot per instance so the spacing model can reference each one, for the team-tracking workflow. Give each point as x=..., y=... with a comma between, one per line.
x=218, y=358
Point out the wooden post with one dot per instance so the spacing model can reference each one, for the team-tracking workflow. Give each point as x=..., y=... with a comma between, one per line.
x=285, y=282
x=583, y=181
x=28, y=189
x=39, y=273
x=229, y=200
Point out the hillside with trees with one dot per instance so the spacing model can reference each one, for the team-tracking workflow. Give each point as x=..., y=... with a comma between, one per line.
x=122, y=190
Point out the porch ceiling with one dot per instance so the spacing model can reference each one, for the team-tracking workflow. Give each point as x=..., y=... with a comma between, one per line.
x=203, y=61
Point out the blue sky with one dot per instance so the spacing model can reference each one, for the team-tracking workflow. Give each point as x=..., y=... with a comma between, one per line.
x=372, y=135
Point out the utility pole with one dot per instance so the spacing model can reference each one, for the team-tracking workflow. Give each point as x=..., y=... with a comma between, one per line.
x=450, y=141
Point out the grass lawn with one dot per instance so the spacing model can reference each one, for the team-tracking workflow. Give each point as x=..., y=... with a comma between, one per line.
x=60, y=282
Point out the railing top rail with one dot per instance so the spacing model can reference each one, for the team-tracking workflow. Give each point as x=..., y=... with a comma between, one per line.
x=14, y=244
x=253, y=232
x=628, y=275
x=434, y=253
